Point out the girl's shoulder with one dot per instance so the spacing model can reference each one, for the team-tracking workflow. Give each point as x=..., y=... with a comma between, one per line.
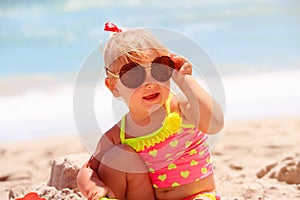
x=180, y=105
x=109, y=139
x=174, y=104
x=113, y=134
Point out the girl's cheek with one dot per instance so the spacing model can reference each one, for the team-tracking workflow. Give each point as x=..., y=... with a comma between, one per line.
x=166, y=85
x=126, y=93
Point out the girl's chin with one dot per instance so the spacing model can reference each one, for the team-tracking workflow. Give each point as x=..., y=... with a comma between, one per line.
x=154, y=108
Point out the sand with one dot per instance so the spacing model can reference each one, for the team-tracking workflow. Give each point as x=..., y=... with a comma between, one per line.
x=248, y=148
x=257, y=159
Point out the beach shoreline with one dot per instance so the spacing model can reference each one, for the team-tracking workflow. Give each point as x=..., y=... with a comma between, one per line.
x=244, y=149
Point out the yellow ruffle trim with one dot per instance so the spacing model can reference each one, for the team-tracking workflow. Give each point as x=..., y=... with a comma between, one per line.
x=211, y=196
x=170, y=126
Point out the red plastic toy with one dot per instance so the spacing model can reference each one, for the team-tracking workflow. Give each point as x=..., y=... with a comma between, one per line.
x=31, y=196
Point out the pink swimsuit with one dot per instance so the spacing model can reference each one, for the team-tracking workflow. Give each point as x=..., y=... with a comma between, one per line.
x=173, y=157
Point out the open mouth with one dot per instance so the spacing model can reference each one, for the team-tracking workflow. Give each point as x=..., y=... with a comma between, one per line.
x=151, y=97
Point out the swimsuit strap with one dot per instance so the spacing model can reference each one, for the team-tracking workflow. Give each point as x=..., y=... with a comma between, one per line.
x=122, y=130
x=168, y=104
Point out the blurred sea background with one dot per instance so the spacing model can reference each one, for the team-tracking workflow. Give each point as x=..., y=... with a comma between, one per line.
x=43, y=43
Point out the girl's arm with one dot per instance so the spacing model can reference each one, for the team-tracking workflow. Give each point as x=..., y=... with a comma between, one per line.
x=200, y=108
x=88, y=180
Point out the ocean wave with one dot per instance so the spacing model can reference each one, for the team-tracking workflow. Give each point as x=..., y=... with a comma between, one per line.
x=45, y=107
x=262, y=95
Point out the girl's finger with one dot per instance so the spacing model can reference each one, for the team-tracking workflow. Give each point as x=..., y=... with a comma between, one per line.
x=110, y=194
x=186, y=69
x=178, y=61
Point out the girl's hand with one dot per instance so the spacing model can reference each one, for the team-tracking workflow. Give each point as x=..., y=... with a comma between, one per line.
x=182, y=65
x=97, y=193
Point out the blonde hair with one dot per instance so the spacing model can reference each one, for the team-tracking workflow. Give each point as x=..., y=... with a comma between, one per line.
x=136, y=45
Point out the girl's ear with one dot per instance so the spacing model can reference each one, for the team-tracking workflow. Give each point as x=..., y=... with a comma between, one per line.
x=111, y=85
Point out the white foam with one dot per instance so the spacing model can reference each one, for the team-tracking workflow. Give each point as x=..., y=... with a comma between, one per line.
x=36, y=112
x=262, y=95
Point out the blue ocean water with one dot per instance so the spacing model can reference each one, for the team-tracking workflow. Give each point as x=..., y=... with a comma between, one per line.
x=52, y=37
x=43, y=43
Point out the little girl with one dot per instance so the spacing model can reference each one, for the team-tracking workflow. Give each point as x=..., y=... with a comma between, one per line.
x=159, y=149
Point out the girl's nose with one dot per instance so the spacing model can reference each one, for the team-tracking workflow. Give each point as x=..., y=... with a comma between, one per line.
x=150, y=85
x=149, y=80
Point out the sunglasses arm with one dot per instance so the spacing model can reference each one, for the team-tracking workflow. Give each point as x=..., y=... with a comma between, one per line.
x=111, y=73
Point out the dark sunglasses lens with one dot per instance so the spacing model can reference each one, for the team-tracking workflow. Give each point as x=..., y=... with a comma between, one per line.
x=132, y=75
x=162, y=68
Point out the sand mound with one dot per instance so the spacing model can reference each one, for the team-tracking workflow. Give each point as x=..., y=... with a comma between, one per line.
x=47, y=192
x=65, y=169
x=62, y=183
x=286, y=170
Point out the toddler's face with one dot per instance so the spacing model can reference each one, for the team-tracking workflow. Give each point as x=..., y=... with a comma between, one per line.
x=148, y=96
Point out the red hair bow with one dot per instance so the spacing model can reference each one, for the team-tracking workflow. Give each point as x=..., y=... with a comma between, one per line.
x=109, y=26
